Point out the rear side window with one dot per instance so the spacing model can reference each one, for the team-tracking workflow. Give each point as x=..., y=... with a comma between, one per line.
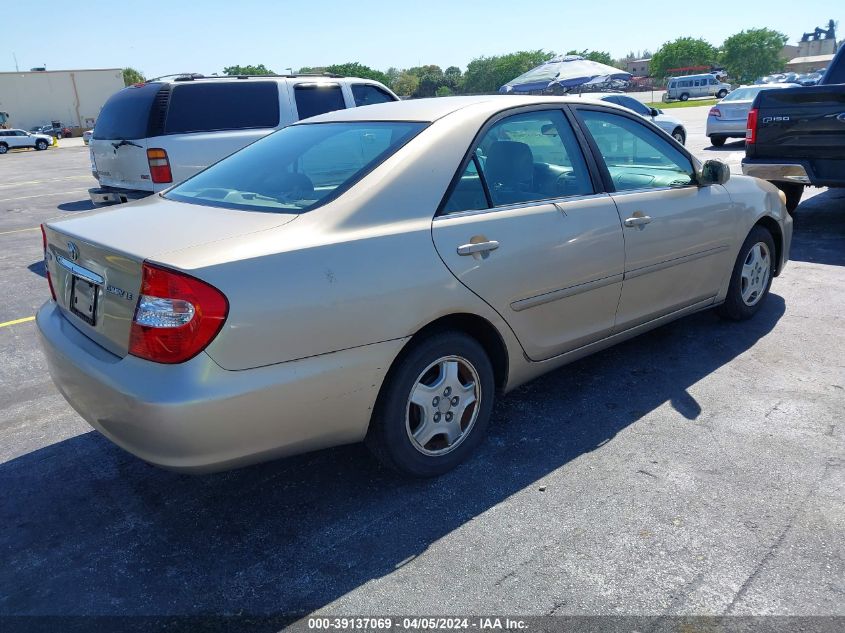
x=208, y=107
x=126, y=114
x=314, y=99
x=366, y=94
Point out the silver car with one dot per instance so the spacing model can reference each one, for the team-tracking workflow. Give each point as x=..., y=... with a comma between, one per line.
x=382, y=273
x=669, y=124
x=728, y=118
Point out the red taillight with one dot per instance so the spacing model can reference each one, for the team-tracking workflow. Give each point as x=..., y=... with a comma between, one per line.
x=159, y=166
x=46, y=268
x=177, y=316
x=716, y=112
x=751, y=127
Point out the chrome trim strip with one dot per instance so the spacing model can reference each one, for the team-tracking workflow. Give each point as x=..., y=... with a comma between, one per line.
x=777, y=171
x=83, y=273
x=560, y=203
x=563, y=293
x=653, y=268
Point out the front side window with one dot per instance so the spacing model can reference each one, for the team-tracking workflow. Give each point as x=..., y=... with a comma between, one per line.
x=367, y=94
x=314, y=99
x=229, y=105
x=297, y=168
x=635, y=156
x=532, y=156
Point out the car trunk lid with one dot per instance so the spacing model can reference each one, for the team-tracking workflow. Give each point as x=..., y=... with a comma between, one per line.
x=95, y=259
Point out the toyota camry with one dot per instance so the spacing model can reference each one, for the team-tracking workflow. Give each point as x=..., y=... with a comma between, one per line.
x=383, y=273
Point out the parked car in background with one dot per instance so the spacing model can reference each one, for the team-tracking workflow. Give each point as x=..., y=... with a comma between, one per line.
x=55, y=129
x=727, y=118
x=86, y=136
x=692, y=86
x=669, y=124
x=796, y=137
x=381, y=273
x=13, y=139
x=809, y=79
x=154, y=134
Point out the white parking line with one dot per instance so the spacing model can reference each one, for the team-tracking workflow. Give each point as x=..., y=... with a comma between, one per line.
x=42, y=195
x=35, y=228
x=9, y=185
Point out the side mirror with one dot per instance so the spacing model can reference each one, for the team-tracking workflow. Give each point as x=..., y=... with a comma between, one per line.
x=655, y=112
x=714, y=172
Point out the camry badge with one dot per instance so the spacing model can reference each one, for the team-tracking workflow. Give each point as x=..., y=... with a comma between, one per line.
x=73, y=251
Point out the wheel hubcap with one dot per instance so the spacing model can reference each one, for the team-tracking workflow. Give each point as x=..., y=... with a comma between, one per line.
x=443, y=405
x=755, y=273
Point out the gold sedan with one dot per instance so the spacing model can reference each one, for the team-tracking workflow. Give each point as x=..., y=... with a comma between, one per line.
x=382, y=273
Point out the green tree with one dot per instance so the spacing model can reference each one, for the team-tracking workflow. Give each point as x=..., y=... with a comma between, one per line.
x=750, y=54
x=682, y=52
x=405, y=84
x=487, y=74
x=453, y=78
x=431, y=78
x=354, y=69
x=260, y=69
x=132, y=76
x=443, y=91
x=601, y=57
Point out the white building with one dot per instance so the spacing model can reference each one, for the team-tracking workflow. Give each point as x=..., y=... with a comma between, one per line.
x=73, y=97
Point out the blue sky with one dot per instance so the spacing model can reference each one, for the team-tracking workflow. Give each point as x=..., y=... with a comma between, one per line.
x=206, y=35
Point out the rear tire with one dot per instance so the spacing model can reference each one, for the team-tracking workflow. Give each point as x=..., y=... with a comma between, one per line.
x=678, y=135
x=751, y=277
x=793, y=193
x=434, y=406
x=684, y=96
x=41, y=144
x=718, y=141
x=721, y=94
x=3, y=148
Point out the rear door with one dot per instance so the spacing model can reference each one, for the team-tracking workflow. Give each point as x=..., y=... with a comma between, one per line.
x=524, y=228
x=677, y=235
x=202, y=122
x=118, y=145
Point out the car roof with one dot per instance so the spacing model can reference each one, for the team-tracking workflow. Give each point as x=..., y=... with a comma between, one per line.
x=427, y=110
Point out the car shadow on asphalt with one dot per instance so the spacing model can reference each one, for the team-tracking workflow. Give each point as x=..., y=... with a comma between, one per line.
x=88, y=528
x=733, y=146
x=818, y=229
x=79, y=205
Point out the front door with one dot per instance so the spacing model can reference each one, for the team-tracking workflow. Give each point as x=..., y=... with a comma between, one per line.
x=676, y=233
x=524, y=230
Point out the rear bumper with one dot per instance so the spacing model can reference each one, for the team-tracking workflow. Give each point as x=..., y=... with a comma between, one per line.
x=734, y=128
x=198, y=417
x=797, y=171
x=115, y=195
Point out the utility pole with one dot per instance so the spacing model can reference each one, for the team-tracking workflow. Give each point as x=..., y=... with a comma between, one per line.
x=16, y=61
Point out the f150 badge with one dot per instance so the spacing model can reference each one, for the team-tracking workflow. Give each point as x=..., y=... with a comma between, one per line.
x=775, y=119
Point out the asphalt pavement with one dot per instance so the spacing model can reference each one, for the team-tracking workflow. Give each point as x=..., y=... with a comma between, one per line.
x=697, y=469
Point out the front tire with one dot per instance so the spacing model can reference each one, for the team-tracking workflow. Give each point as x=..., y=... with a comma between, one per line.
x=3, y=148
x=684, y=97
x=41, y=145
x=752, y=276
x=678, y=135
x=722, y=94
x=434, y=407
x=793, y=193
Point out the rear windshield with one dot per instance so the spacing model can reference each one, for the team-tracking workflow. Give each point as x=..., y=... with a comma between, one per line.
x=209, y=107
x=126, y=114
x=297, y=168
x=744, y=94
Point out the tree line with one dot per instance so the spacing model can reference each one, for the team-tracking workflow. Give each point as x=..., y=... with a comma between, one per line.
x=745, y=56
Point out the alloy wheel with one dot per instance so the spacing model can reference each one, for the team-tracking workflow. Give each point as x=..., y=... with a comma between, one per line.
x=755, y=273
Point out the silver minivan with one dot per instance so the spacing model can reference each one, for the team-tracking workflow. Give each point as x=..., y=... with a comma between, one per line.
x=691, y=86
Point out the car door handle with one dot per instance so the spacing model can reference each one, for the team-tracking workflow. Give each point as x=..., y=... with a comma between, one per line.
x=479, y=247
x=638, y=220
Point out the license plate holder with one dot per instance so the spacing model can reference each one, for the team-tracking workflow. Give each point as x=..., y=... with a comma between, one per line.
x=83, y=299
